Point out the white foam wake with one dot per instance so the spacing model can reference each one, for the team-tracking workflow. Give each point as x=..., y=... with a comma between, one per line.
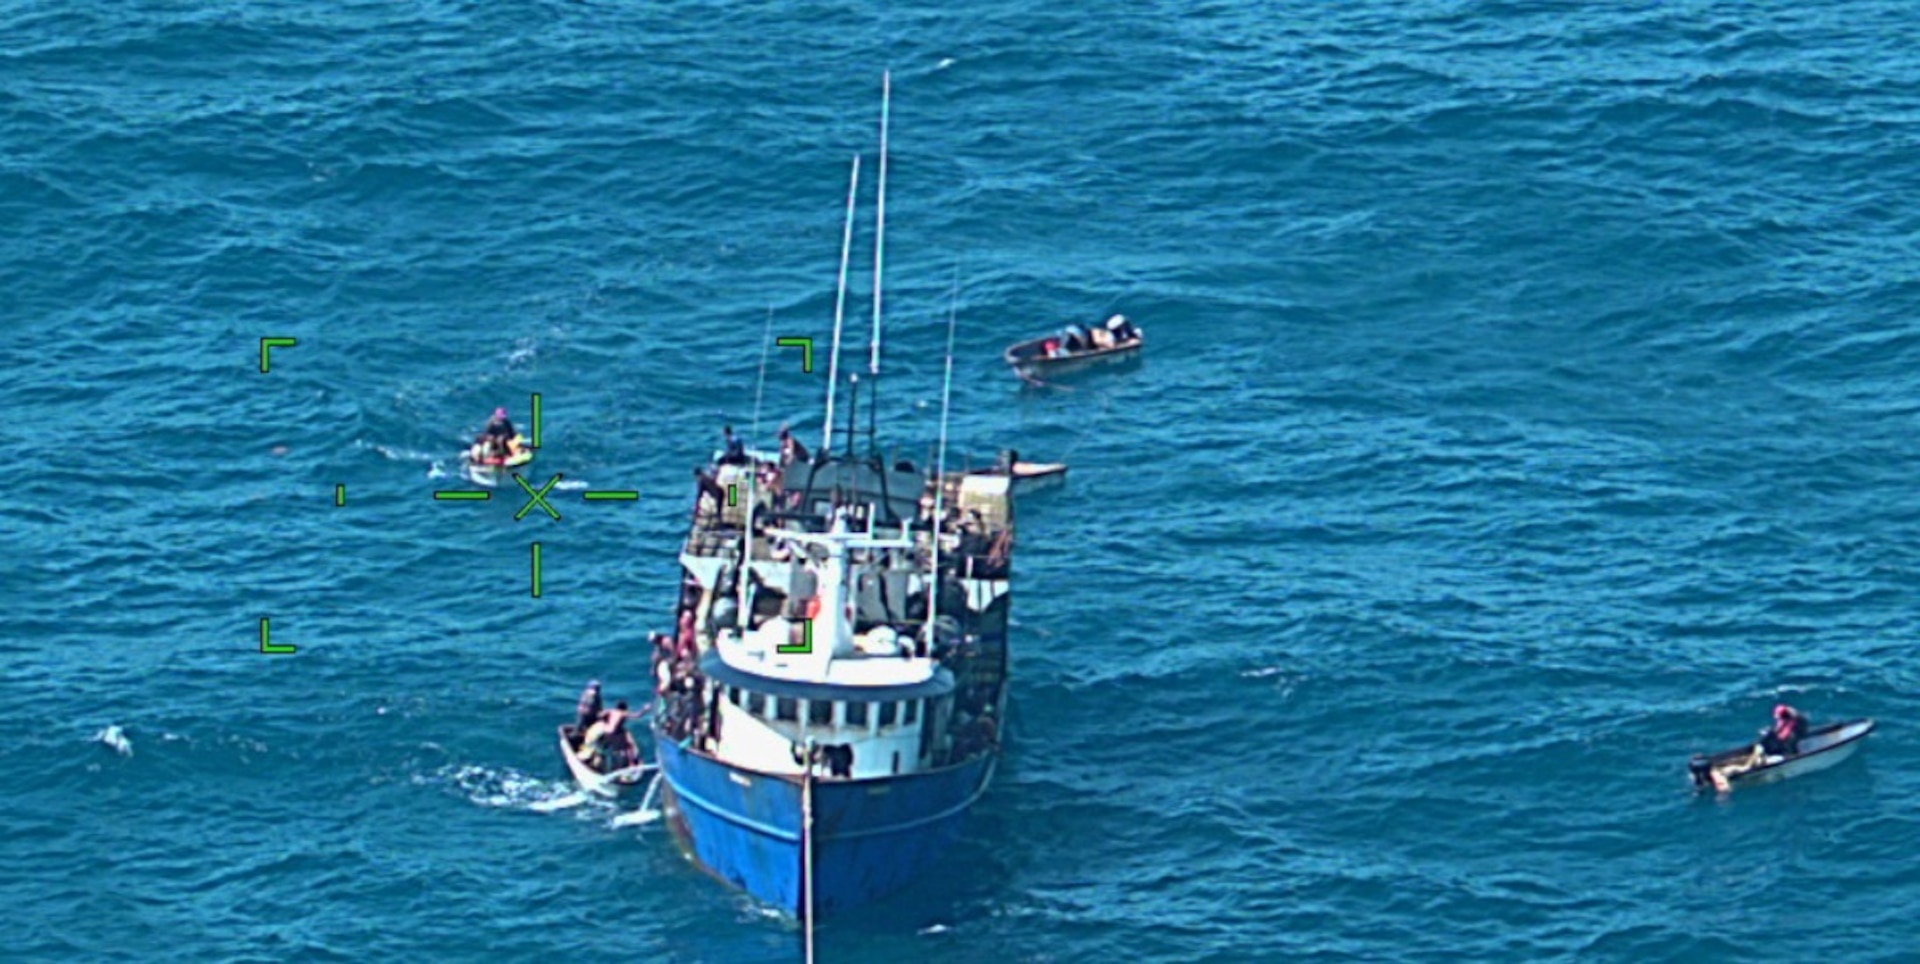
x=508, y=788
x=636, y=818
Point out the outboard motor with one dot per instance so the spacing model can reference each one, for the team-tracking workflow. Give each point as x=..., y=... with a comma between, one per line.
x=1702, y=771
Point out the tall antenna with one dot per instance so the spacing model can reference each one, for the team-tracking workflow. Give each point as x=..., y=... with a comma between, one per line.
x=880, y=219
x=760, y=390
x=940, y=471
x=853, y=409
x=753, y=479
x=879, y=260
x=840, y=309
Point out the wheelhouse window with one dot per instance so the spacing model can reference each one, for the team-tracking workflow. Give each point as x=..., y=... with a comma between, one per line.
x=886, y=714
x=733, y=695
x=756, y=703
x=911, y=713
x=856, y=714
x=785, y=709
x=820, y=712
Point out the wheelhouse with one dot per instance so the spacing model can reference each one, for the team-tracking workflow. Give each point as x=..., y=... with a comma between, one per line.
x=865, y=731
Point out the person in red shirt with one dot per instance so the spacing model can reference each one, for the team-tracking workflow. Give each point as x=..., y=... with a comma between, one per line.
x=1783, y=738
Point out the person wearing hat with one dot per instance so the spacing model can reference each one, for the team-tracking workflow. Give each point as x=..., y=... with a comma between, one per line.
x=1121, y=329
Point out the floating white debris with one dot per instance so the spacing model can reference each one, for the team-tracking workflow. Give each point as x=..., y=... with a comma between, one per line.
x=116, y=738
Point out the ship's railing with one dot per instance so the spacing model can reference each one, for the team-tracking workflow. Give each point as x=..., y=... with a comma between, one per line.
x=983, y=567
x=712, y=542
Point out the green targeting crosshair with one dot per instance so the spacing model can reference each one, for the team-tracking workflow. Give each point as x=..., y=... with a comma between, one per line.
x=266, y=641
x=806, y=640
x=806, y=350
x=269, y=344
x=537, y=498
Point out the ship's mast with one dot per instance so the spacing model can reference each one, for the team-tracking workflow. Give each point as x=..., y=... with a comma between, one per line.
x=879, y=261
x=940, y=470
x=840, y=309
x=853, y=409
x=743, y=576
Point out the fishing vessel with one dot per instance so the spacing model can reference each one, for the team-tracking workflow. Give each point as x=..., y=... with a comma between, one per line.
x=829, y=702
x=1821, y=748
x=1062, y=354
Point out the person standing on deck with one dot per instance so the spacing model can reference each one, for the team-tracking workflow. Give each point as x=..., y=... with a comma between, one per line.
x=708, y=489
x=687, y=645
x=791, y=450
x=735, y=451
x=589, y=710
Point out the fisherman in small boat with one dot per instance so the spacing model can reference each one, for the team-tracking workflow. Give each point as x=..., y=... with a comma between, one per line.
x=619, y=735
x=1783, y=738
x=589, y=710
x=1050, y=348
x=496, y=440
x=607, y=733
x=1121, y=329
x=1077, y=339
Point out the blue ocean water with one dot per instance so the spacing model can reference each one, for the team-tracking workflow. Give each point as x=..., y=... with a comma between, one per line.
x=1530, y=404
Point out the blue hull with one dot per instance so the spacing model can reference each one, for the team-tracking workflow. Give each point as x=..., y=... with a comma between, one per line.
x=872, y=837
